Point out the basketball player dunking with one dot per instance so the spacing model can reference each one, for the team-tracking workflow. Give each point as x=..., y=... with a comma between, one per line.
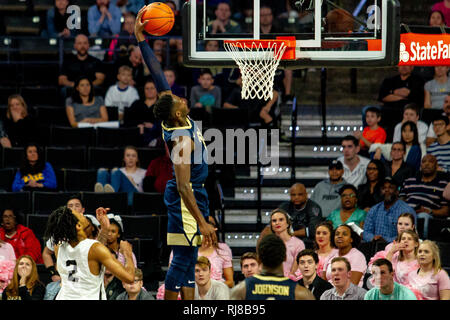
x=185, y=196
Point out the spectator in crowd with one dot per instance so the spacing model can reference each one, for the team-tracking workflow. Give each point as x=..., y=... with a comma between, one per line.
x=104, y=19
x=128, y=178
x=125, y=41
x=34, y=174
x=431, y=281
x=323, y=245
x=441, y=148
x=349, y=211
x=159, y=171
x=369, y=193
x=259, y=110
x=354, y=165
x=381, y=220
x=280, y=224
x=223, y=23
x=307, y=261
x=135, y=290
x=205, y=94
x=344, y=287
x=20, y=126
x=444, y=7
x=133, y=59
x=424, y=192
x=220, y=257
x=171, y=78
x=305, y=213
x=414, y=150
x=115, y=235
x=372, y=133
x=250, y=264
x=57, y=21
x=403, y=255
x=122, y=94
x=397, y=167
x=437, y=89
x=271, y=252
x=20, y=237
x=411, y=113
x=130, y=6
x=436, y=19
x=25, y=284
x=80, y=64
x=398, y=91
x=385, y=286
x=431, y=135
x=326, y=192
x=346, y=242
x=404, y=222
x=7, y=251
x=206, y=288
x=84, y=107
x=4, y=140
x=113, y=285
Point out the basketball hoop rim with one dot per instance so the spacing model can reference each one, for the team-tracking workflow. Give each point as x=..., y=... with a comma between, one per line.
x=289, y=42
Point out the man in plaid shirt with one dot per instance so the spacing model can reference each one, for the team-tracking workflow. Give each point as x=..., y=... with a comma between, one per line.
x=381, y=220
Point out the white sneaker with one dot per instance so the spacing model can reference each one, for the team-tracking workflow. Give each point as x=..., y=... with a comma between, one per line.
x=109, y=188
x=99, y=187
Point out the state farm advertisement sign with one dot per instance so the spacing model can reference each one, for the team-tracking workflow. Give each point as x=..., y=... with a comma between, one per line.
x=424, y=49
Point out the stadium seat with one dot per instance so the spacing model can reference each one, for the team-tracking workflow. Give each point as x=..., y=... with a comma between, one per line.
x=148, y=203
x=118, y=137
x=12, y=157
x=146, y=155
x=45, y=202
x=40, y=94
x=40, y=74
x=37, y=223
x=6, y=178
x=141, y=227
x=79, y=179
x=21, y=25
x=20, y=201
x=439, y=230
x=113, y=113
x=51, y=115
x=428, y=115
x=229, y=118
x=200, y=114
x=67, y=136
x=104, y=157
x=117, y=202
x=444, y=248
x=66, y=157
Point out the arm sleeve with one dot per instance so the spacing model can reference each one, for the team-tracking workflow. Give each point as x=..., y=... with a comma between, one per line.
x=49, y=177
x=154, y=66
x=18, y=182
x=114, y=23
x=93, y=24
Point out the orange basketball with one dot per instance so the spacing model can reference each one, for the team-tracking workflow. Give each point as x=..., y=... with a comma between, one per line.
x=161, y=19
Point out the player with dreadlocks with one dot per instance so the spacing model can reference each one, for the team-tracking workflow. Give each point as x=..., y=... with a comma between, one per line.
x=81, y=261
x=185, y=196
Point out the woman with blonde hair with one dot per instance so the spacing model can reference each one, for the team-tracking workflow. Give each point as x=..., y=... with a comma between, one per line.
x=430, y=281
x=403, y=255
x=25, y=284
x=19, y=125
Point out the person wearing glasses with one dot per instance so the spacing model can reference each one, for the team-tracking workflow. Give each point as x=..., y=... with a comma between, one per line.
x=349, y=211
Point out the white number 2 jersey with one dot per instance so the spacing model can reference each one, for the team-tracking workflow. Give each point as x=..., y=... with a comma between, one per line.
x=77, y=281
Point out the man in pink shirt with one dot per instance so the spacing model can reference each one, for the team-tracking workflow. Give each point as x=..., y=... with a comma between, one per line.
x=443, y=7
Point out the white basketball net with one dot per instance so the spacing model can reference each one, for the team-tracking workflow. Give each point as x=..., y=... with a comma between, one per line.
x=257, y=65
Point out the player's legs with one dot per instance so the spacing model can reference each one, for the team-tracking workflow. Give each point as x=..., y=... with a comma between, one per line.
x=181, y=273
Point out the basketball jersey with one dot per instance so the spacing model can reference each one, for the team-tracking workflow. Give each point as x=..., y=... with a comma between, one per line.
x=182, y=227
x=77, y=281
x=261, y=287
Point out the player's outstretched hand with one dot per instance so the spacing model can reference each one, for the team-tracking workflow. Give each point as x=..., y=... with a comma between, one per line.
x=209, y=234
x=101, y=214
x=139, y=25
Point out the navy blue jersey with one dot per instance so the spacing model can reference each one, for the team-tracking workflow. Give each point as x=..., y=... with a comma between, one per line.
x=182, y=227
x=261, y=287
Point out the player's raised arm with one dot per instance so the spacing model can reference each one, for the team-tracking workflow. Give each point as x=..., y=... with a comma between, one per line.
x=149, y=57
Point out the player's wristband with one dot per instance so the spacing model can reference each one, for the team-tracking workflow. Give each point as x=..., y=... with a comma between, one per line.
x=52, y=271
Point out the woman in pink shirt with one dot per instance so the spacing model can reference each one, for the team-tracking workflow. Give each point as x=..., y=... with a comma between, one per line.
x=7, y=251
x=346, y=240
x=430, y=281
x=280, y=224
x=403, y=256
x=323, y=243
x=404, y=222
